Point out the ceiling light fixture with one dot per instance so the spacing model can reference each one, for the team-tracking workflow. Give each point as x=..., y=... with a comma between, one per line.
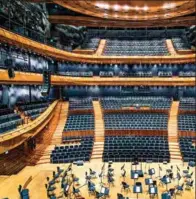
x=126, y=7
x=116, y=7
x=145, y=8
x=169, y=5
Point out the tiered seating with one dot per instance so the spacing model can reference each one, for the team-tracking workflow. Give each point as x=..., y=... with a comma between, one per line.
x=188, y=148
x=106, y=74
x=79, y=74
x=136, y=121
x=33, y=109
x=165, y=74
x=9, y=120
x=187, y=74
x=130, y=47
x=80, y=149
x=181, y=43
x=79, y=122
x=80, y=104
x=187, y=122
x=129, y=148
x=156, y=103
x=92, y=44
x=187, y=104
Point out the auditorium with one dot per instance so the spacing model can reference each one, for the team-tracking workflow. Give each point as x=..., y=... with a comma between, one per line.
x=97, y=99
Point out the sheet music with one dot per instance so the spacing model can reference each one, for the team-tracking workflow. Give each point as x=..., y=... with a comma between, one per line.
x=150, y=181
x=152, y=190
x=103, y=190
x=138, y=189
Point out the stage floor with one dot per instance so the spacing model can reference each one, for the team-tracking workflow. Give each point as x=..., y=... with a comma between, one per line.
x=9, y=184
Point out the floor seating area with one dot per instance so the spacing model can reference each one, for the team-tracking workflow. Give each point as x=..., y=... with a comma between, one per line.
x=187, y=122
x=136, y=121
x=77, y=148
x=9, y=120
x=142, y=148
x=79, y=122
x=116, y=103
x=187, y=104
x=188, y=148
x=80, y=104
x=33, y=109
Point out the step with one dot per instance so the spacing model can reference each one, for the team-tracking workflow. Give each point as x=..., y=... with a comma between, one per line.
x=175, y=157
x=97, y=156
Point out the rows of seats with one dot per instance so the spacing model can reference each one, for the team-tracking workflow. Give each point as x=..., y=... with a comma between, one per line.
x=79, y=151
x=187, y=122
x=187, y=74
x=80, y=104
x=181, y=43
x=9, y=120
x=125, y=46
x=79, y=74
x=115, y=103
x=33, y=109
x=106, y=74
x=188, y=148
x=129, y=148
x=91, y=43
x=165, y=74
x=135, y=121
x=79, y=122
x=187, y=103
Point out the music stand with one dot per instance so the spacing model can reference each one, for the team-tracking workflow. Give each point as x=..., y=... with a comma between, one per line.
x=152, y=191
x=137, y=190
x=167, y=181
x=178, y=177
x=160, y=169
x=151, y=172
x=135, y=176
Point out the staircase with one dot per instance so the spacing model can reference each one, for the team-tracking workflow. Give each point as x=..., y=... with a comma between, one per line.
x=175, y=154
x=99, y=133
x=170, y=47
x=57, y=135
x=44, y=139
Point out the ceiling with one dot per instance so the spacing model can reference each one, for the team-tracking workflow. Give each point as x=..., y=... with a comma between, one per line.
x=140, y=10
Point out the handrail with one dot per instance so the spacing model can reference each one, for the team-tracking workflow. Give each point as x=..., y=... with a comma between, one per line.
x=30, y=126
x=12, y=38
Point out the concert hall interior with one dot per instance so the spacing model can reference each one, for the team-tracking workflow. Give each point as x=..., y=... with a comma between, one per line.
x=97, y=99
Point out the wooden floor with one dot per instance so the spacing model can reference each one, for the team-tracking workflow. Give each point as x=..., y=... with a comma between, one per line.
x=8, y=185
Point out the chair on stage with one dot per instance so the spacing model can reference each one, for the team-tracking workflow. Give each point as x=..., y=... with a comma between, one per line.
x=50, y=182
x=125, y=186
x=92, y=173
x=87, y=177
x=76, y=192
x=75, y=180
x=165, y=196
x=179, y=189
x=189, y=184
x=99, y=195
x=110, y=180
x=189, y=176
x=123, y=174
x=91, y=188
x=172, y=192
x=120, y=196
x=24, y=193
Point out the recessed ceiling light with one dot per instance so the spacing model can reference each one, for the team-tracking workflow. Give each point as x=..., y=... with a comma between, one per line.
x=136, y=8
x=126, y=7
x=116, y=7
x=169, y=5
x=145, y=8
